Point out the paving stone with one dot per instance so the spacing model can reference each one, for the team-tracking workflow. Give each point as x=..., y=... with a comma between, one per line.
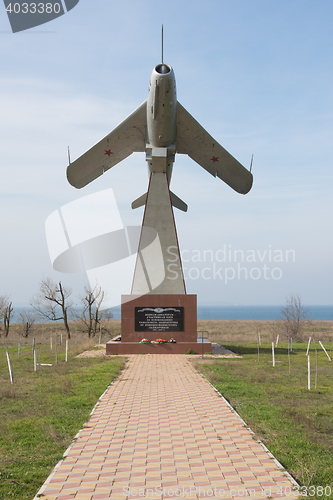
x=161, y=425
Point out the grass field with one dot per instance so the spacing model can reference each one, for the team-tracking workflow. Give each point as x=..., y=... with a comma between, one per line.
x=42, y=411
x=247, y=331
x=296, y=424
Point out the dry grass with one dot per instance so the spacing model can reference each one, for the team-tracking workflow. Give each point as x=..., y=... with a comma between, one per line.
x=42, y=332
x=247, y=331
x=218, y=331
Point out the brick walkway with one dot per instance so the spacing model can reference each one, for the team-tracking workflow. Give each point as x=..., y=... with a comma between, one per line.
x=161, y=431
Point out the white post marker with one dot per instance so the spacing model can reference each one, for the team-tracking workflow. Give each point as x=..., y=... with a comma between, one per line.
x=307, y=352
x=61, y=339
x=277, y=340
x=259, y=338
x=33, y=344
x=66, y=355
x=316, y=382
x=40, y=353
x=35, y=360
x=289, y=361
x=309, y=373
x=273, y=354
x=10, y=369
x=258, y=350
x=325, y=351
x=291, y=344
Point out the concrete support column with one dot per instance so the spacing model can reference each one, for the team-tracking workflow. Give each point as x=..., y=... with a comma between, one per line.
x=158, y=263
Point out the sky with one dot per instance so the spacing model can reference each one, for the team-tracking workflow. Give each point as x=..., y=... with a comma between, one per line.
x=257, y=74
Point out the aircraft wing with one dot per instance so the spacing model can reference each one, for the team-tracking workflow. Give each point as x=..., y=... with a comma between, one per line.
x=193, y=140
x=128, y=137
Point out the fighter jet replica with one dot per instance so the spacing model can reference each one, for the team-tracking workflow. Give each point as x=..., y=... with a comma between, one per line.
x=160, y=127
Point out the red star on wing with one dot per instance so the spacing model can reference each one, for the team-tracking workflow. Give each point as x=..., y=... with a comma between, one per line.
x=214, y=159
x=108, y=152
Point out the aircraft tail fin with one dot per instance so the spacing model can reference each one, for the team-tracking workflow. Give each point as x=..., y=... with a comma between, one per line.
x=176, y=202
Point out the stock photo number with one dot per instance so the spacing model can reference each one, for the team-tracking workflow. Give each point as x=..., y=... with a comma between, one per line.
x=24, y=15
x=33, y=8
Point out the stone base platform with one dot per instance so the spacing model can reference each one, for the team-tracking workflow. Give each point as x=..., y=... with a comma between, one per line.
x=182, y=328
x=137, y=348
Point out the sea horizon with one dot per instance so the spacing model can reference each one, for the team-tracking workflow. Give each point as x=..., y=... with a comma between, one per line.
x=230, y=312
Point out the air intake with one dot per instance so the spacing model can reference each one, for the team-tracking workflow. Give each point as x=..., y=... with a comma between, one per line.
x=163, y=69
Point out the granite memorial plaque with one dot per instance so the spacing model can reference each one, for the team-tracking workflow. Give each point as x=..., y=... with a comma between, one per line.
x=159, y=319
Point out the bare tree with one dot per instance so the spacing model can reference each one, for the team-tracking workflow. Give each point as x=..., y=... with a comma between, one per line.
x=27, y=321
x=6, y=311
x=3, y=301
x=86, y=317
x=53, y=302
x=92, y=315
x=294, y=317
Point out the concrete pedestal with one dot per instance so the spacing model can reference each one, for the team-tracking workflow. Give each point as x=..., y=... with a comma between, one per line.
x=158, y=269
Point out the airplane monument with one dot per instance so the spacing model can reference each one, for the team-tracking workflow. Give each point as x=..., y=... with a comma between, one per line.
x=158, y=306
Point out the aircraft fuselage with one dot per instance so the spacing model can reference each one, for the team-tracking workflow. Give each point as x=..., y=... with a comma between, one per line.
x=162, y=107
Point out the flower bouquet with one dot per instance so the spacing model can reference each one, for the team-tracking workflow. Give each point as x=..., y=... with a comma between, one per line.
x=145, y=341
x=161, y=341
x=172, y=341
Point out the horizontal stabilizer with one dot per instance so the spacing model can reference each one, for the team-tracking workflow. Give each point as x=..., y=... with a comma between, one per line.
x=194, y=140
x=128, y=137
x=139, y=202
x=176, y=202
